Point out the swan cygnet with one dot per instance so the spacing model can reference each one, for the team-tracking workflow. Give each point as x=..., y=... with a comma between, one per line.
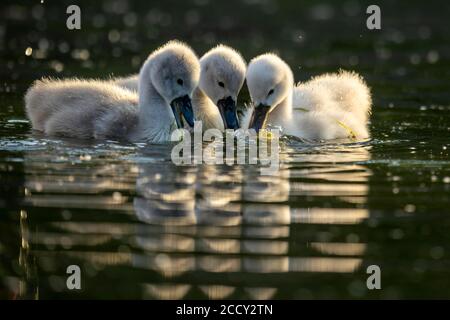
x=328, y=107
x=222, y=76
x=89, y=109
x=221, y=79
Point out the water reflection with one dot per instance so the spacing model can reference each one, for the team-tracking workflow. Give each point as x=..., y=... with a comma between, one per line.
x=198, y=231
x=242, y=222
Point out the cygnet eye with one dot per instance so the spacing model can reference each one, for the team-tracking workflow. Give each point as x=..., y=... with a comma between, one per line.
x=180, y=82
x=270, y=92
x=221, y=84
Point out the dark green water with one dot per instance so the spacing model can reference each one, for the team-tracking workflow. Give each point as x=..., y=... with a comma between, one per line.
x=140, y=227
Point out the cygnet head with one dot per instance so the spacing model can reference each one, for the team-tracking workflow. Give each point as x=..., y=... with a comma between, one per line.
x=174, y=72
x=269, y=81
x=221, y=79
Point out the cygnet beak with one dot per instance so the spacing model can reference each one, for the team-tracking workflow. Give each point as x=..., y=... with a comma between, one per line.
x=182, y=109
x=227, y=109
x=259, y=116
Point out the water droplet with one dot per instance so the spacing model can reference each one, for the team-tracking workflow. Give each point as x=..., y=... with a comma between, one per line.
x=85, y=157
x=397, y=234
x=437, y=252
x=433, y=56
x=117, y=196
x=114, y=36
x=28, y=51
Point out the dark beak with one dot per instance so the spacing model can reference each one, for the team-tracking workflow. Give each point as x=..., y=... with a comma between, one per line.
x=182, y=109
x=259, y=117
x=227, y=109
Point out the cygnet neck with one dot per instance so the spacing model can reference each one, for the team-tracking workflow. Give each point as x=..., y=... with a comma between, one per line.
x=282, y=111
x=155, y=116
x=153, y=108
x=205, y=110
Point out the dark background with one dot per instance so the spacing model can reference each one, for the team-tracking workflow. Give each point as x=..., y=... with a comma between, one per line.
x=412, y=49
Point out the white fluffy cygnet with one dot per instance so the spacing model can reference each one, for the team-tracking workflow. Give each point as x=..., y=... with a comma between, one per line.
x=330, y=106
x=91, y=109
